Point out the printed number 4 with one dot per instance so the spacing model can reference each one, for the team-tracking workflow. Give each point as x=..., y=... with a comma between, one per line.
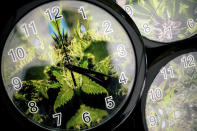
x=123, y=78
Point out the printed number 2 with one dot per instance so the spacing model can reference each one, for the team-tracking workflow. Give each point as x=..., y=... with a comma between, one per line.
x=190, y=23
x=165, y=72
x=26, y=28
x=108, y=28
x=16, y=83
x=121, y=50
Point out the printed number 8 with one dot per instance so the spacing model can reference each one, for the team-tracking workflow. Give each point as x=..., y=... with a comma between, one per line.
x=33, y=107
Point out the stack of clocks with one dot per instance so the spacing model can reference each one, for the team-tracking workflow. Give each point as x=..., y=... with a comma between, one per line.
x=100, y=65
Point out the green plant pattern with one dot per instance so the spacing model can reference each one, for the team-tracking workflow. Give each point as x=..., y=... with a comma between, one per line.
x=176, y=111
x=158, y=15
x=52, y=86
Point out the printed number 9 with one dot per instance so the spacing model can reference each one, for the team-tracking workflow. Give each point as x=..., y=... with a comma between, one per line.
x=16, y=82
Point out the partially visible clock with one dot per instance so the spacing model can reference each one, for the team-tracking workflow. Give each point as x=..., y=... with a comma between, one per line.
x=169, y=98
x=74, y=65
x=163, y=21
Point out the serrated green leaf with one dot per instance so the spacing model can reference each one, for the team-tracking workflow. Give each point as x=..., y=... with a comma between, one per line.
x=96, y=115
x=103, y=66
x=65, y=94
x=58, y=75
x=54, y=85
x=91, y=87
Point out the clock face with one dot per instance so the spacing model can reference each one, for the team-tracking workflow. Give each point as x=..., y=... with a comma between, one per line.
x=171, y=99
x=68, y=65
x=163, y=20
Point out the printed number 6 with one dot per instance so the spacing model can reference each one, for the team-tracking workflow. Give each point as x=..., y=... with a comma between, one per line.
x=86, y=117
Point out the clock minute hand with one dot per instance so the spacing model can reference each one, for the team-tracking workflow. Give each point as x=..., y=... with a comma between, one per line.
x=86, y=72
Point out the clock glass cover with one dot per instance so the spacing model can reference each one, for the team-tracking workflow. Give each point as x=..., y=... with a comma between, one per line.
x=68, y=65
x=171, y=100
x=163, y=20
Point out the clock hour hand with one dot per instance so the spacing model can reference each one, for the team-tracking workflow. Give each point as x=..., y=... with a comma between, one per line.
x=88, y=72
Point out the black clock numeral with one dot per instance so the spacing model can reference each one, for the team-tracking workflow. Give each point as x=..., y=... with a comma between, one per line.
x=16, y=83
x=165, y=71
x=59, y=118
x=109, y=102
x=123, y=79
x=31, y=26
x=86, y=117
x=54, y=14
x=82, y=11
x=33, y=107
x=146, y=28
x=17, y=54
x=188, y=61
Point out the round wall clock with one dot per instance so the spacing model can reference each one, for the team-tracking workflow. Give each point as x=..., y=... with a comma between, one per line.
x=72, y=65
x=169, y=99
x=164, y=21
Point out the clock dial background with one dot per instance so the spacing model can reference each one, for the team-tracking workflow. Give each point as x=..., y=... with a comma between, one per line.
x=164, y=21
x=171, y=98
x=43, y=64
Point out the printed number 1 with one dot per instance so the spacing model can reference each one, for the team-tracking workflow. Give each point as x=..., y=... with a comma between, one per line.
x=82, y=11
x=26, y=28
x=165, y=71
x=123, y=78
